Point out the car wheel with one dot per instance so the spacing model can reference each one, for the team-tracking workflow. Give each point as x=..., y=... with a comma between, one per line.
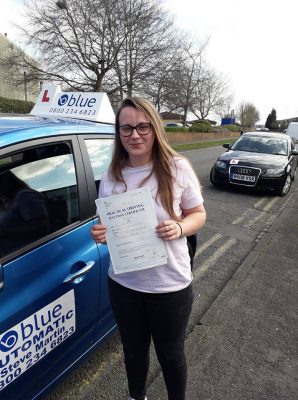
x=294, y=175
x=211, y=178
x=287, y=186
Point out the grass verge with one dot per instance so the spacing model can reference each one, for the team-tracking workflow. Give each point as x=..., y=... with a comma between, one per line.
x=201, y=145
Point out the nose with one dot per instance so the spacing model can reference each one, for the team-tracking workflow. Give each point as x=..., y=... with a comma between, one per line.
x=134, y=133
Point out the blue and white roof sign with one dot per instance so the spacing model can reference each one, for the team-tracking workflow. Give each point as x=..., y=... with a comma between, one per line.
x=92, y=106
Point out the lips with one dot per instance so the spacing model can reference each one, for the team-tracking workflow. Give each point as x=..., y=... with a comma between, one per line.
x=136, y=144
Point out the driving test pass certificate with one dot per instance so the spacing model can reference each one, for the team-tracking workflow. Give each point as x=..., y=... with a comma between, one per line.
x=130, y=220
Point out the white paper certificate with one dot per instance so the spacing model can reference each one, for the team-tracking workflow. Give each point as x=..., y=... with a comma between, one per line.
x=130, y=220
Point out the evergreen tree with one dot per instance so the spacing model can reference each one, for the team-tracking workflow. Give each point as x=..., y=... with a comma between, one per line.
x=268, y=121
x=273, y=114
x=271, y=119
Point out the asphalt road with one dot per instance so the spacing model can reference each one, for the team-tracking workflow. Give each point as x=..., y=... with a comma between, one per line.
x=235, y=222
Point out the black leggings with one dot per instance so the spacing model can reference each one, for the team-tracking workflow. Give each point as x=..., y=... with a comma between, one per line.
x=163, y=317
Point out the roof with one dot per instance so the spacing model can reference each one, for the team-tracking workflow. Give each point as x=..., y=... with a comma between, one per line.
x=170, y=115
x=267, y=135
x=19, y=129
x=10, y=123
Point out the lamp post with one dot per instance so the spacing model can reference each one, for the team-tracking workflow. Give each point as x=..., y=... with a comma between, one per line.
x=25, y=86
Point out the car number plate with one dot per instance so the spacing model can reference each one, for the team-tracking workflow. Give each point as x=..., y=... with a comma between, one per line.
x=244, y=178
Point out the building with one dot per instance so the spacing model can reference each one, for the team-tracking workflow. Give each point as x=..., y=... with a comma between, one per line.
x=8, y=89
x=283, y=123
x=171, y=118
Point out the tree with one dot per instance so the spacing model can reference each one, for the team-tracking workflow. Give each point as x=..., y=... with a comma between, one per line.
x=186, y=77
x=122, y=47
x=160, y=86
x=248, y=115
x=177, y=80
x=148, y=38
x=210, y=94
x=271, y=119
x=94, y=45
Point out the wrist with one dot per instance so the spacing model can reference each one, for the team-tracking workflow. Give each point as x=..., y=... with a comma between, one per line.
x=181, y=230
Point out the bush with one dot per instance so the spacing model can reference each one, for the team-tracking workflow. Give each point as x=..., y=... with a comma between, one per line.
x=233, y=128
x=203, y=121
x=220, y=129
x=201, y=127
x=174, y=129
x=15, y=106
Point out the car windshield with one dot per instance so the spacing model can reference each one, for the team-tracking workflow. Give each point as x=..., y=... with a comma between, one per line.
x=260, y=144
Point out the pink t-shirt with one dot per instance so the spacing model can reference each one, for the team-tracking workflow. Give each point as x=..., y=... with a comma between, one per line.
x=176, y=273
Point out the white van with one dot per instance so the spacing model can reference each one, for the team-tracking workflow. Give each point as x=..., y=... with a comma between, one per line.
x=292, y=131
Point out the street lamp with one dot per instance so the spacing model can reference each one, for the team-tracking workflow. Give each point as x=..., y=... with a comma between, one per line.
x=25, y=86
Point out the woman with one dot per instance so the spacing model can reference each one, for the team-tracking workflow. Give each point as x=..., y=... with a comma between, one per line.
x=156, y=302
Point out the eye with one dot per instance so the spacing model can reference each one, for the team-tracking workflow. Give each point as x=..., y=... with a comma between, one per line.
x=125, y=128
x=144, y=127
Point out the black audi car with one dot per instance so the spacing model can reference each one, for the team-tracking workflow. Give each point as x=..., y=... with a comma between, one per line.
x=257, y=160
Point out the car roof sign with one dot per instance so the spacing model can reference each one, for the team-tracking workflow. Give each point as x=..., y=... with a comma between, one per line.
x=92, y=106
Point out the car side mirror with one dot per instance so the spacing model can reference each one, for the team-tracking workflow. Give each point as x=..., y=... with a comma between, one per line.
x=294, y=152
x=226, y=145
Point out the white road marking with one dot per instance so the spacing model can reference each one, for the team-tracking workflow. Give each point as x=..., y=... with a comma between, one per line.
x=213, y=258
x=260, y=202
x=252, y=221
x=207, y=244
x=257, y=205
x=271, y=204
x=242, y=217
x=265, y=210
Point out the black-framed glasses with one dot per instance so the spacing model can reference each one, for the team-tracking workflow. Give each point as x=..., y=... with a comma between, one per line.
x=144, y=128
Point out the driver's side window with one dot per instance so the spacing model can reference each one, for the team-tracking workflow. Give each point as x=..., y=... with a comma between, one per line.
x=38, y=194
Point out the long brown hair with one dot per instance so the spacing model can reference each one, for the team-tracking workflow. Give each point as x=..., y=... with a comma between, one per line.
x=162, y=153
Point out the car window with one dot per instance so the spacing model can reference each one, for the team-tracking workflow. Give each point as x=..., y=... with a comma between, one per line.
x=100, y=154
x=38, y=194
x=261, y=145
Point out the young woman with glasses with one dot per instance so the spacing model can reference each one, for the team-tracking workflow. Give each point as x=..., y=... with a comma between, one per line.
x=153, y=303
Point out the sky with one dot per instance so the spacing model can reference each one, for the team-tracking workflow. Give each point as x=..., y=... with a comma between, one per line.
x=252, y=43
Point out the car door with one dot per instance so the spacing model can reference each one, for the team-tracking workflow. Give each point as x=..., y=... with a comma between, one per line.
x=97, y=154
x=49, y=280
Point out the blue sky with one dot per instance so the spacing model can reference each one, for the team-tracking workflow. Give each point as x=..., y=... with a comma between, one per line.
x=253, y=43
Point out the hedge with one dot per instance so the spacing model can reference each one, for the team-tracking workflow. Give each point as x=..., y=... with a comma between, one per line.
x=15, y=106
x=201, y=127
x=233, y=128
x=203, y=121
x=176, y=129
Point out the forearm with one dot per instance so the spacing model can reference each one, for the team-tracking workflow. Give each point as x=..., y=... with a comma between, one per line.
x=193, y=222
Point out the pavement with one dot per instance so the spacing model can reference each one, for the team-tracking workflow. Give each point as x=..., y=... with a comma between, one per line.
x=245, y=347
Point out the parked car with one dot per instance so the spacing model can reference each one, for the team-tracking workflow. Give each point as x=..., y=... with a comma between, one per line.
x=292, y=131
x=53, y=277
x=258, y=161
x=262, y=129
x=174, y=125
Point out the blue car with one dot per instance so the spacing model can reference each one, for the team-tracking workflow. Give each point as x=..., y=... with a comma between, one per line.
x=53, y=277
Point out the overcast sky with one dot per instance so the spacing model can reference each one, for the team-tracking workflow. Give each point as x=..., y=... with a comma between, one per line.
x=253, y=43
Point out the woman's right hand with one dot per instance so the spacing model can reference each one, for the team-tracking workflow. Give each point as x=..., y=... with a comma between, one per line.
x=98, y=233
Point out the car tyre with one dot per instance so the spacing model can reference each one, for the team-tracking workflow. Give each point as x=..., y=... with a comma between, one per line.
x=211, y=178
x=287, y=186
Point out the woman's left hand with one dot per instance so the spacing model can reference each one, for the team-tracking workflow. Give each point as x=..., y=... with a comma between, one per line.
x=168, y=230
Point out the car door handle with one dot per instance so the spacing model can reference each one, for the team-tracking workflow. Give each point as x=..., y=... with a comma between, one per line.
x=77, y=276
